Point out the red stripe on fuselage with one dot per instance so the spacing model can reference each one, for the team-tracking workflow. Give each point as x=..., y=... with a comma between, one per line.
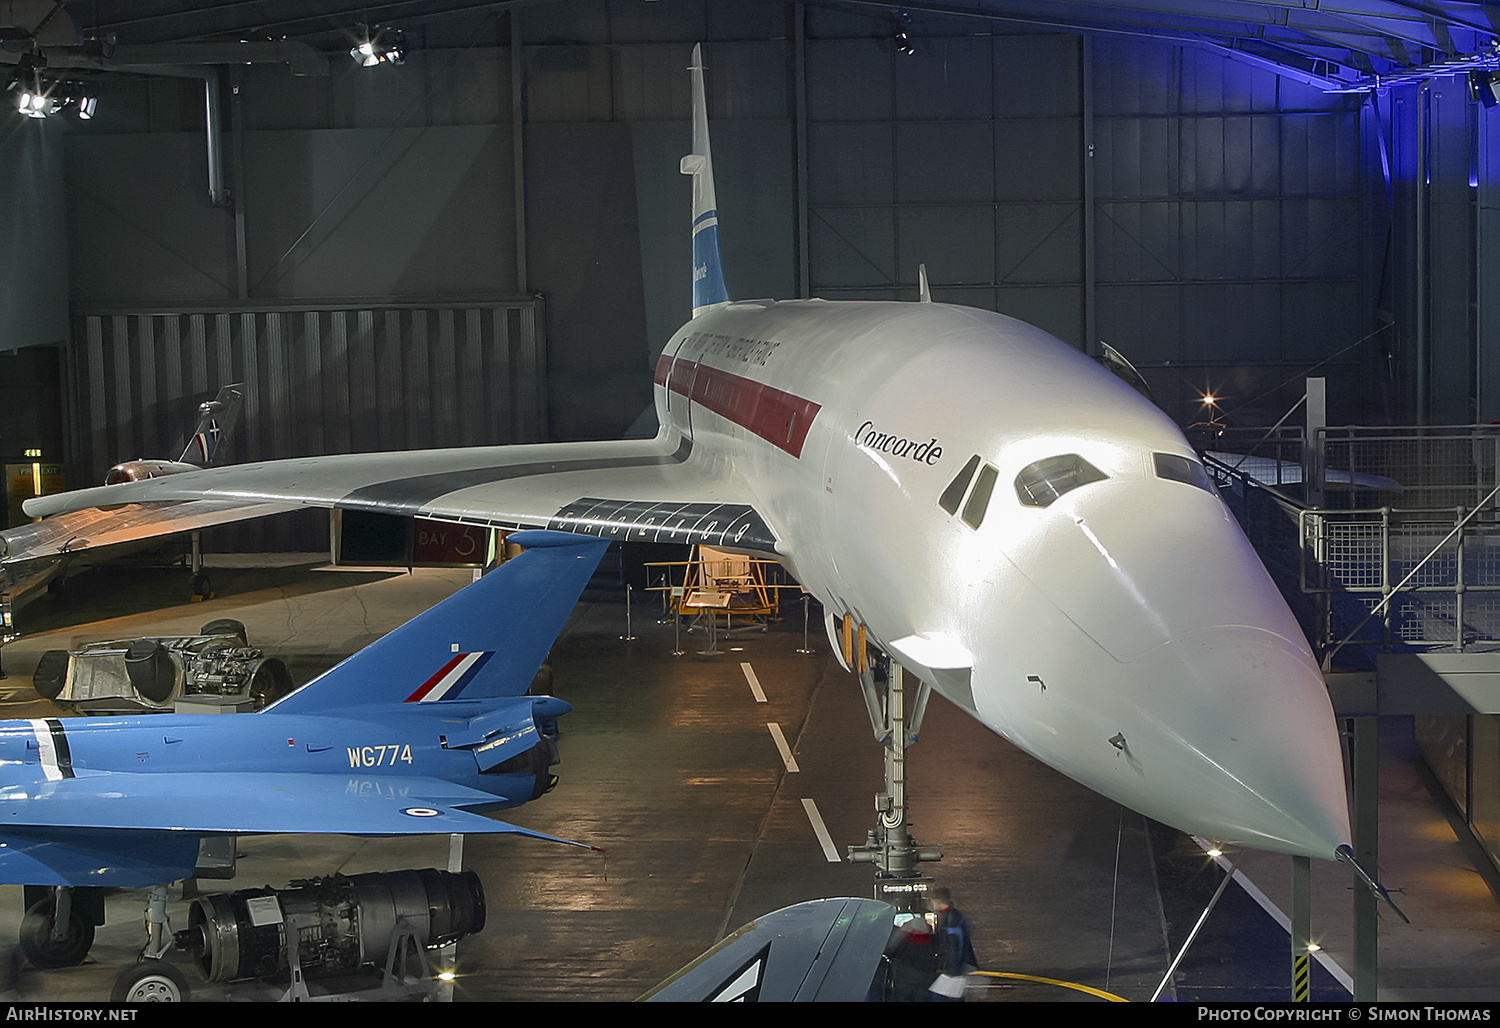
x=780, y=418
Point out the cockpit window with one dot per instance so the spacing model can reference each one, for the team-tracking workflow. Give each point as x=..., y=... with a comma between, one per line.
x=955, y=492
x=1039, y=484
x=1181, y=469
x=979, y=499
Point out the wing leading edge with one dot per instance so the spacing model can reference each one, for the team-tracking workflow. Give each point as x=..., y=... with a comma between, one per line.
x=94, y=528
x=625, y=490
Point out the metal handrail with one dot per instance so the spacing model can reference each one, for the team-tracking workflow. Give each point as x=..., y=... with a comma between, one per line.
x=1387, y=572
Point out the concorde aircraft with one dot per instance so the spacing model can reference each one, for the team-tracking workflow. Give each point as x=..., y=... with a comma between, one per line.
x=1011, y=522
x=421, y=732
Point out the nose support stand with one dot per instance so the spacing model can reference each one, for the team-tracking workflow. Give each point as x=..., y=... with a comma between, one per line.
x=888, y=846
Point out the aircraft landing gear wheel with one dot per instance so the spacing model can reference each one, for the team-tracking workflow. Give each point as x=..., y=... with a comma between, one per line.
x=150, y=981
x=47, y=953
x=202, y=588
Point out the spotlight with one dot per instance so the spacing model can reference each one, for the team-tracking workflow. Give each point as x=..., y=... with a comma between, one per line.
x=39, y=99
x=391, y=50
x=26, y=86
x=36, y=96
x=76, y=95
x=33, y=102
x=904, y=44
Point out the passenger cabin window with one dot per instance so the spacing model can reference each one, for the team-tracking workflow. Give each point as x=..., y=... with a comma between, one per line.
x=1180, y=469
x=1039, y=484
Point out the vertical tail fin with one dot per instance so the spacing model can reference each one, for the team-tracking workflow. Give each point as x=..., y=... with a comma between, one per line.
x=485, y=641
x=709, y=289
x=216, y=420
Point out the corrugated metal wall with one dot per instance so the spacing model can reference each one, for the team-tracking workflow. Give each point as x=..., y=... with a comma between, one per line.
x=966, y=157
x=1228, y=208
x=1201, y=216
x=326, y=378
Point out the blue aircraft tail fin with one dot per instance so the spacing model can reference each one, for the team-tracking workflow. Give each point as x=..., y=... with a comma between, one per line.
x=486, y=640
x=709, y=289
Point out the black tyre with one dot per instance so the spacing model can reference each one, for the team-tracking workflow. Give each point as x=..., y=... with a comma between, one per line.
x=150, y=981
x=226, y=626
x=42, y=949
x=51, y=674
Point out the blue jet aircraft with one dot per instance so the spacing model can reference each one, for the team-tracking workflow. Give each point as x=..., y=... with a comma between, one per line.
x=419, y=733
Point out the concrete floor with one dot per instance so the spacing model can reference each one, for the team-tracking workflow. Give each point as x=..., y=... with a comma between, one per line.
x=669, y=765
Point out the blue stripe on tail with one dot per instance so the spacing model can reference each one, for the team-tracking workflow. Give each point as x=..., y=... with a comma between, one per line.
x=708, y=265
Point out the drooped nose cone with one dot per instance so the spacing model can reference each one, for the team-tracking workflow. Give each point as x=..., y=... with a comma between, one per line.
x=1237, y=740
x=1211, y=714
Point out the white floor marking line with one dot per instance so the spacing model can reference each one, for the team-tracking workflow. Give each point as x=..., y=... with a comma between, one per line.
x=786, y=751
x=821, y=831
x=755, y=690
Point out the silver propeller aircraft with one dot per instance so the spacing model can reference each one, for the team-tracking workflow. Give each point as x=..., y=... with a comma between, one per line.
x=1015, y=525
x=36, y=554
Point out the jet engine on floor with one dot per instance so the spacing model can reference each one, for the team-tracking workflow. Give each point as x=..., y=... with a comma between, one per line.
x=329, y=926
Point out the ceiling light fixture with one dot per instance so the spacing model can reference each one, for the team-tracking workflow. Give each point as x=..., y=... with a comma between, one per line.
x=384, y=47
x=904, y=44
x=36, y=96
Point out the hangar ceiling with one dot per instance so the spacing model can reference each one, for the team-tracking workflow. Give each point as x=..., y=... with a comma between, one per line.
x=1240, y=217
x=1334, y=44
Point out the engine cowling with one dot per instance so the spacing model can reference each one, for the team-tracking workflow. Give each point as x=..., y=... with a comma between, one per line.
x=140, y=470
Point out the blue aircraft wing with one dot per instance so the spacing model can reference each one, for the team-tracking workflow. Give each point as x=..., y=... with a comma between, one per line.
x=108, y=857
x=139, y=830
x=247, y=803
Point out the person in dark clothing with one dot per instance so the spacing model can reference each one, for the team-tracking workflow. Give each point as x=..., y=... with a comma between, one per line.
x=954, y=939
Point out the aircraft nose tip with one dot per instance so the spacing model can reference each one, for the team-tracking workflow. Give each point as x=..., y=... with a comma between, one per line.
x=1248, y=712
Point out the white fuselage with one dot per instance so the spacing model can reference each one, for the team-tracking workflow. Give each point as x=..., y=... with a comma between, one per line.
x=1123, y=632
x=1001, y=514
